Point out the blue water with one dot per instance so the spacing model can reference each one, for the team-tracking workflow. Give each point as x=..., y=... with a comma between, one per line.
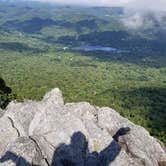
x=88, y=48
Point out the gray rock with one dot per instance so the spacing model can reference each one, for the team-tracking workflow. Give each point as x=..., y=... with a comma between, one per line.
x=21, y=115
x=53, y=98
x=22, y=152
x=50, y=132
x=138, y=143
x=8, y=133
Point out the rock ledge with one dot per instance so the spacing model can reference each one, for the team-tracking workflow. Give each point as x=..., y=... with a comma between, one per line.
x=50, y=132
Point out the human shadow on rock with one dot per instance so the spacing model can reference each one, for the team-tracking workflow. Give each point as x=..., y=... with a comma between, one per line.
x=77, y=152
x=18, y=160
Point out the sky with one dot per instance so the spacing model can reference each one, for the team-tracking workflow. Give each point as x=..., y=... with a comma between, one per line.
x=154, y=5
x=138, y=4
x=90, y=2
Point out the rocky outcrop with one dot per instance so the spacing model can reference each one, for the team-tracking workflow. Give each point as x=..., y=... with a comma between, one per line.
x=50, y=132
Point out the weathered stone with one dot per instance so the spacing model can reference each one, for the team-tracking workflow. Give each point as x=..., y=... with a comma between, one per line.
x=51, y=133
x=53, y=98
x=21, y=115
x=22, y=152
x=139, y=143
x=8, y=133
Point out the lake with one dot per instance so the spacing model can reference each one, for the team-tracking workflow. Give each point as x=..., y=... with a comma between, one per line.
x=88, y=48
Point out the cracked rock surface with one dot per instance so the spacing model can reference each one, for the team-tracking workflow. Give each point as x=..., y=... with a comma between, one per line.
x=50, y=132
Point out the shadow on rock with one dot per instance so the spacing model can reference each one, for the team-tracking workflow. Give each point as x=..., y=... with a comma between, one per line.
x=18, y=160
x=77, y=153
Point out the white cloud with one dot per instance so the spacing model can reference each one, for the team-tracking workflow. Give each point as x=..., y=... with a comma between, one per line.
x=134, y=21
x=144, y=14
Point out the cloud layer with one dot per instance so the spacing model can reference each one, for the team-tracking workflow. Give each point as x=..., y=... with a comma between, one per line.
x=145, y=14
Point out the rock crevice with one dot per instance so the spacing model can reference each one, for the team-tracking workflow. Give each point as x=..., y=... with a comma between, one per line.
x=12, y=123
x=50, y=132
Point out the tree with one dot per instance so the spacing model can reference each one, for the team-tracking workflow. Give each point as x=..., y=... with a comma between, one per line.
x=5, y=92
